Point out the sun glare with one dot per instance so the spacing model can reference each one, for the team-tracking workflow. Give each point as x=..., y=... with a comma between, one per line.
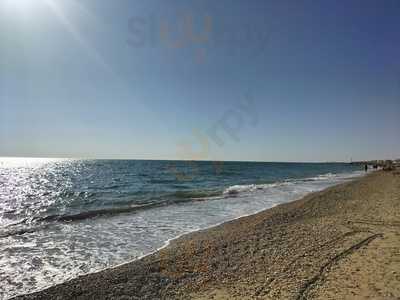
x=19, y=4
x=24, y=7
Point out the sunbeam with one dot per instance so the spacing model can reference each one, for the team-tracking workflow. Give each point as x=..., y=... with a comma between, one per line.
x=77, y=35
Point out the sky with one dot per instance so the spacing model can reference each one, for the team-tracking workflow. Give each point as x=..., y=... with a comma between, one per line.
x=210, y=80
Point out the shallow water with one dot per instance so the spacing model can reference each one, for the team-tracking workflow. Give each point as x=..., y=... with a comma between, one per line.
x=62, y=218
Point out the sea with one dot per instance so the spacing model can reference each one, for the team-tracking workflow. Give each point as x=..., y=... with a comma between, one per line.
x=61, y=218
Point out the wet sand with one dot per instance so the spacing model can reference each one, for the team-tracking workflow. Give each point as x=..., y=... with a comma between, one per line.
x=341, y=243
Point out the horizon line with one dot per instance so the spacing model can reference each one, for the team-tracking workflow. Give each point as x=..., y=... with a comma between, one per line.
x=187, y=160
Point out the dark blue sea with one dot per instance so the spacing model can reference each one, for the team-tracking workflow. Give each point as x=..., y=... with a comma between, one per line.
x=60, y=218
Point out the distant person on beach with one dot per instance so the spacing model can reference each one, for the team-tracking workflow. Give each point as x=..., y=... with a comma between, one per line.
x=366, y=168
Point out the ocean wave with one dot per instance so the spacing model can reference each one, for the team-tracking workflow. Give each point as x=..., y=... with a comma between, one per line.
x=21, y=230
x=40, y=222
x=93, y=213
x=248, y=188
x=326, y=176
x=240, y=189
x=196, y=194
x=175, y=198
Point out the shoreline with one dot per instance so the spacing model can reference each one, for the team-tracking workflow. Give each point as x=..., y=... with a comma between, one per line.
x=165, y=265
x=341, y=178
x=169, y=241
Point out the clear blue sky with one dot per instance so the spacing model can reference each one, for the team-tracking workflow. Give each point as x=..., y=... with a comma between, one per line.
x=130, y=79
